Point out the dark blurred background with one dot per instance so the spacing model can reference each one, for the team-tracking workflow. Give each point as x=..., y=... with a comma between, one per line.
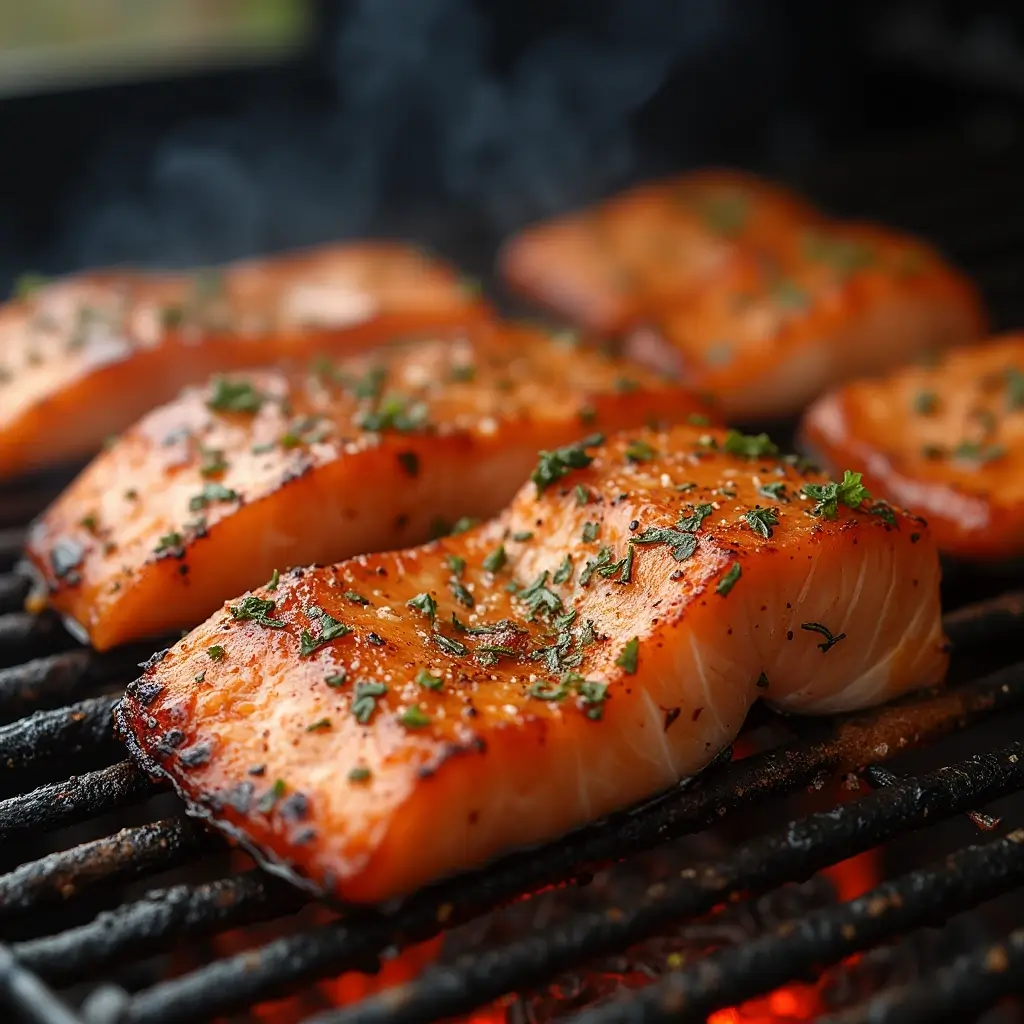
x=250, y=125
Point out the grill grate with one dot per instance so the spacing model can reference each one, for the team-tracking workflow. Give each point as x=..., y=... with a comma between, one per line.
x=55, y=700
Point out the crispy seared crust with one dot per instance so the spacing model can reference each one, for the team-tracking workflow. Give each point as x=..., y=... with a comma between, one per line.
x=83, y=357
x=274, y=737
x=945, y=439
x=194, y=503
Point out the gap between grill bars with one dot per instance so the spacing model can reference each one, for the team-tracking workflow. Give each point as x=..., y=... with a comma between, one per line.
x=168, y=916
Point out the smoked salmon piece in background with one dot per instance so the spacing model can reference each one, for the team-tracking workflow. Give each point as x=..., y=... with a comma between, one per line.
x=82, y=357
x=945, y=438
x=260, y=470
x=402, y=716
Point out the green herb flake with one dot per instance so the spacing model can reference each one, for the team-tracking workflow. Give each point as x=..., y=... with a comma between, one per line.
x=460, y=593
x=321, y=725
x=698, y=419
x=462, y=373
x=582, y=495
x=776, y=490
x=539, y=598
x=456, y=563
x=355, y=597
x=554, y=465
x=410, y=463
x=216, y=652
x=423, y=603
x=564, y=571
x=27, y=284
x=977, y=453
x=275, y=578
x=336, y=679
x=697, y=514
x=591, y=531
x=828, y=497
x=210, y=493
x=413, y=717
x=761, y=520
x=234, y=396
x=453, y=647
x=200, y=676
x=272, y=795
x=428, y=680
x=926, y=403
x=728, y=581
x=359, y=774
x=330, y=629
x=830, y=640
x=394, y=413
x=522, y=536
x=626, y=385
x=627, y=659
x=169, y=543
x=463, y=524
x=89, y=523
x=749, y=446
x=592, y=696
x=364, y=700
x=639, y=451
x=725, y=213
x=681, y=543
x=255, y=609
x=496, y=560
x=1014, y=388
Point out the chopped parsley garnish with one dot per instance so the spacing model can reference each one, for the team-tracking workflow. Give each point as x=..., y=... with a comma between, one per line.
x=371, y=385
x=210, y=493
x=591, y=531
x=693, y=522
x=828, y=497
x=698, y=419
x=626, y=385
x=981, y=454
x=330, y=629
x=428, y=680
x=462, y=524
x=1014, y=388
x=776, y=489
x=460, y=593
x=639, y=451
x=564, y=571
x=321, y=724
x=762, y=682
x=200, y=676
x=355, y=597
x=926, y=402
x=234, y=396
x=884, y=511
x=582, y=495
x=89, y=522
x=216, y=652
x=604, y=557
x=488, y=654
x=131, y=494
x=168, y=543
x=592, y=694
x=450, y=646
x=843, y=255
x=364, y=700
x=761, y=520
x=830, y=639
x=682, y=543
x=789, y=294
x=728, y=581
x=627, y=659
x=423, y=603
x=394, y=413
x=539, y=598
x=257, y=610
x=410, y=462
x=496, y=560
x=522, y=536
x=558, y=463
x=749, y=446
x=336, y=679
x=725, y=214
x=413, y=717
x=456, y=563
x=359, y=774
x=275, y=576
x=272, y=795
x=462, y=372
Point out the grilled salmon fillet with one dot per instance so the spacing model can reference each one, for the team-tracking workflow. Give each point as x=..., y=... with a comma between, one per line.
x=83, y=357
x=774, y=330
x=605, y=268
x=248, y=473
x=945, y=439
x=401, y=716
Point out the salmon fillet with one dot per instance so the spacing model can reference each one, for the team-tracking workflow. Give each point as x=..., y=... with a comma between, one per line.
x=82, y=357
x=772, y=331
x=401, y=716
x=946, y=439
x=208, y=494
x=605, y=268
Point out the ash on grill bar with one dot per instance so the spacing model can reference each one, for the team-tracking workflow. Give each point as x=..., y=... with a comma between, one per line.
x=865, y=868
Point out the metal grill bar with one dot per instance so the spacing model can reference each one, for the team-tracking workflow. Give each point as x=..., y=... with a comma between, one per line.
x=77, y=799
x=956, y=992
x=26, y=994
x=26, y=636
x=12, y=541
x=963, y=880
x=792, y=853
x=62, y=733
x=131, y=853
x=135, y=930
x=14, y=589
